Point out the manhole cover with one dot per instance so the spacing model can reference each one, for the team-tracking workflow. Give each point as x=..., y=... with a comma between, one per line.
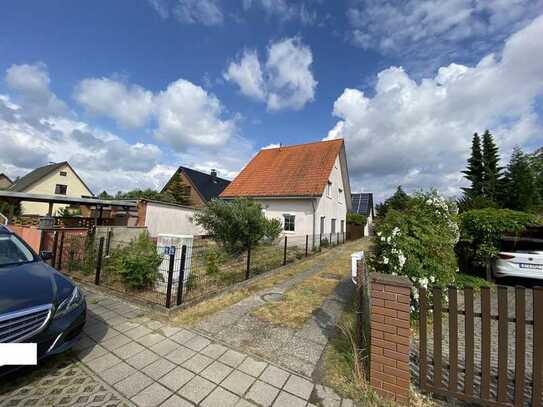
x=272, y=297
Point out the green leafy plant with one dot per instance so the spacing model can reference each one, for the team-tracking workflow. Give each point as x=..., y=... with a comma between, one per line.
x=137, y=264
x=236, y=224
x=398, y=201
x=272, y=228
x=356, y=219
x=213, y=259
x=482, y=229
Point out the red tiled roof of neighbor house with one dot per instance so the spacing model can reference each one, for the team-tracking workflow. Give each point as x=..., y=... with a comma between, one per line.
x=299, y=170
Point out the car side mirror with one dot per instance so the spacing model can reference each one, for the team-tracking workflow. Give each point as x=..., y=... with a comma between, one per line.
x=46, y=255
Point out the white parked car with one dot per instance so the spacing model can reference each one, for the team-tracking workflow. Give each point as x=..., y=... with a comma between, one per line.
x=525, y=264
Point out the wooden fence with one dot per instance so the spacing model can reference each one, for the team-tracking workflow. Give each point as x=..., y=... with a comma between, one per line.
x=486, y=375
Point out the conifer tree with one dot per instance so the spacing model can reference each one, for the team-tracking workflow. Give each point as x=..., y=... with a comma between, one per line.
x=177, y=190
x=474, y=171
x=520, y=182
x=491, y=170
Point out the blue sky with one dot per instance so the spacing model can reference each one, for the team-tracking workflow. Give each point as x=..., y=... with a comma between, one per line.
x=128, y=90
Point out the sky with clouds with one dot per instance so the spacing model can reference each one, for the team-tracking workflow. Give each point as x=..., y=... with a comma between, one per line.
x=126, y=91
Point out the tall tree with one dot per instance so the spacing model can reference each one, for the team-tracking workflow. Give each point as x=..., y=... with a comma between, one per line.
x=492, y=172
x=520, y=182
x=475, y=170
x=178, y=190
x=536, y=162
x=399, y=201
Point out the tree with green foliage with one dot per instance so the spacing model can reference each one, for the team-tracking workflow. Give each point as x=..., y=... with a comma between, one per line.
x=536, y=162
x=356, y=219
x=474, y=173
x=520, y=183
x=492, y=172
x=177, y=190
x=236, y=224
x=398, y=201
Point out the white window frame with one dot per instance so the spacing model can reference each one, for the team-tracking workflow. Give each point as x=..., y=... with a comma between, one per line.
x=292, y=220
x=333, y=225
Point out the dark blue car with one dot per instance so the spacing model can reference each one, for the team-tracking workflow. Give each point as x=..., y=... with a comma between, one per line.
x=37, y=303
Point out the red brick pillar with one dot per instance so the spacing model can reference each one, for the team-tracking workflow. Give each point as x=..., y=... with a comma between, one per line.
x=390, y=332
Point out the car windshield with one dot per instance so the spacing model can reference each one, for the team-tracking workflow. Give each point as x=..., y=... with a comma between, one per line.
x=13, y=251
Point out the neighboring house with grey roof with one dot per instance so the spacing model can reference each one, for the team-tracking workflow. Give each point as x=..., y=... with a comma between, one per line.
x=5, y=181
x=362, y=204
x=51, y=179
x=203, y=187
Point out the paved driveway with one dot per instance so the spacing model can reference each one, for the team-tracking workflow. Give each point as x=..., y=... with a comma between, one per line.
x=126, y=358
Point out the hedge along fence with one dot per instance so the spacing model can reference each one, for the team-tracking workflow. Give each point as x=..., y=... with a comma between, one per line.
x=162, y=276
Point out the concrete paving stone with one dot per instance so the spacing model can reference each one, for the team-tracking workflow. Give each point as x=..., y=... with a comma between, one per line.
x=133, y=384
x=214, y=350
x=164, y=347
x=197, y=389
x=197, y=363
x=274, y=376
x=108, y=315
x=327, y=396
x=158, y=368
x=299, y=386
x=168, y=330
x=88, y=354
x=252, y=366
x=84, y=343
x=245, y=403
x=238, y=382
x=117, y=373
x=117, y=320
x=138, y=332
x=142, y=359
x=347, y=403
x=103, y=362
x=116, y=342
x=300, y=366
x=176, y=378
x=262, y=394
x=182, y=336
x=176, y=401
x=216, y=372
x=286, y=399
x=125, y=351
x=197, y=343
x=232, y=358
x=152, y=396
x=220, y=398
x=154, y=325
x=180, y=354
x=151, y=339
x=126, y=326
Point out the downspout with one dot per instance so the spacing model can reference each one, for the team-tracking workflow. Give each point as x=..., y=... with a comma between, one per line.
x=314, y=219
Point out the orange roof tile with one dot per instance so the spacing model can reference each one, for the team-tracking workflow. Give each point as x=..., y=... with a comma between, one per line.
x=300, y=170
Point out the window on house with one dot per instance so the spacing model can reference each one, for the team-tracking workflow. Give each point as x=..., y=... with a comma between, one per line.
x=342, y=226
x=63, y=173
x=340, y=195
x=333, y=225
x=289, y=223
x=61, y=189
x=322, y=225
x=329, y=190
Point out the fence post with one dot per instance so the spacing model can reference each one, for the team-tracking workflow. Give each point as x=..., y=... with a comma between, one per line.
x=108, y=241
x=60, y=250
x=248, y=269
x=285, y=252
x=181, y=275
x=55, y=244
x=330, y=242
x=337, y=239
x=363, y=315
x=99, y=261
x=170, y=280
x=320, y=241
x=306, y=244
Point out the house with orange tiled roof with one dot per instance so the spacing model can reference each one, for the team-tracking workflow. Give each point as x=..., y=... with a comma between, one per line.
x=306, y=186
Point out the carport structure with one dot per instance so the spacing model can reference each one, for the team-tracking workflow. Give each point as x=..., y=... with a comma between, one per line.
x=92, y=202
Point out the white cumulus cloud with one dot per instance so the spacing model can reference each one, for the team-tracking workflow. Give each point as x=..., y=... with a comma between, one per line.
x=284, y=81
x=418, y=133
x=205, y=12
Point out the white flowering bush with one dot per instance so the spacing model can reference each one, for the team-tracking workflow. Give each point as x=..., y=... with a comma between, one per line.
x=418, y=242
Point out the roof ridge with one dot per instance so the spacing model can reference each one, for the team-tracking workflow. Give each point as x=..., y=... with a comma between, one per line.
x=304, y=144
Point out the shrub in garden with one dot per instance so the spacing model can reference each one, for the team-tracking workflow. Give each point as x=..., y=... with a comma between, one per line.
x=482, y=229
x=137, y=264
x=213, y=259
x=418, y=241
x=356, y=219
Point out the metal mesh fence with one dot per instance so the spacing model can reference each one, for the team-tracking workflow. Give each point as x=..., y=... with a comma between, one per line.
x=171, y=275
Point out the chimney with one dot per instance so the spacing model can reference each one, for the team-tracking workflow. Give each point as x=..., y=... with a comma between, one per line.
x=213, y=173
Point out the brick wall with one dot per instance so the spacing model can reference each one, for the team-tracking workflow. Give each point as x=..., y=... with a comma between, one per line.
x=390, y=331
